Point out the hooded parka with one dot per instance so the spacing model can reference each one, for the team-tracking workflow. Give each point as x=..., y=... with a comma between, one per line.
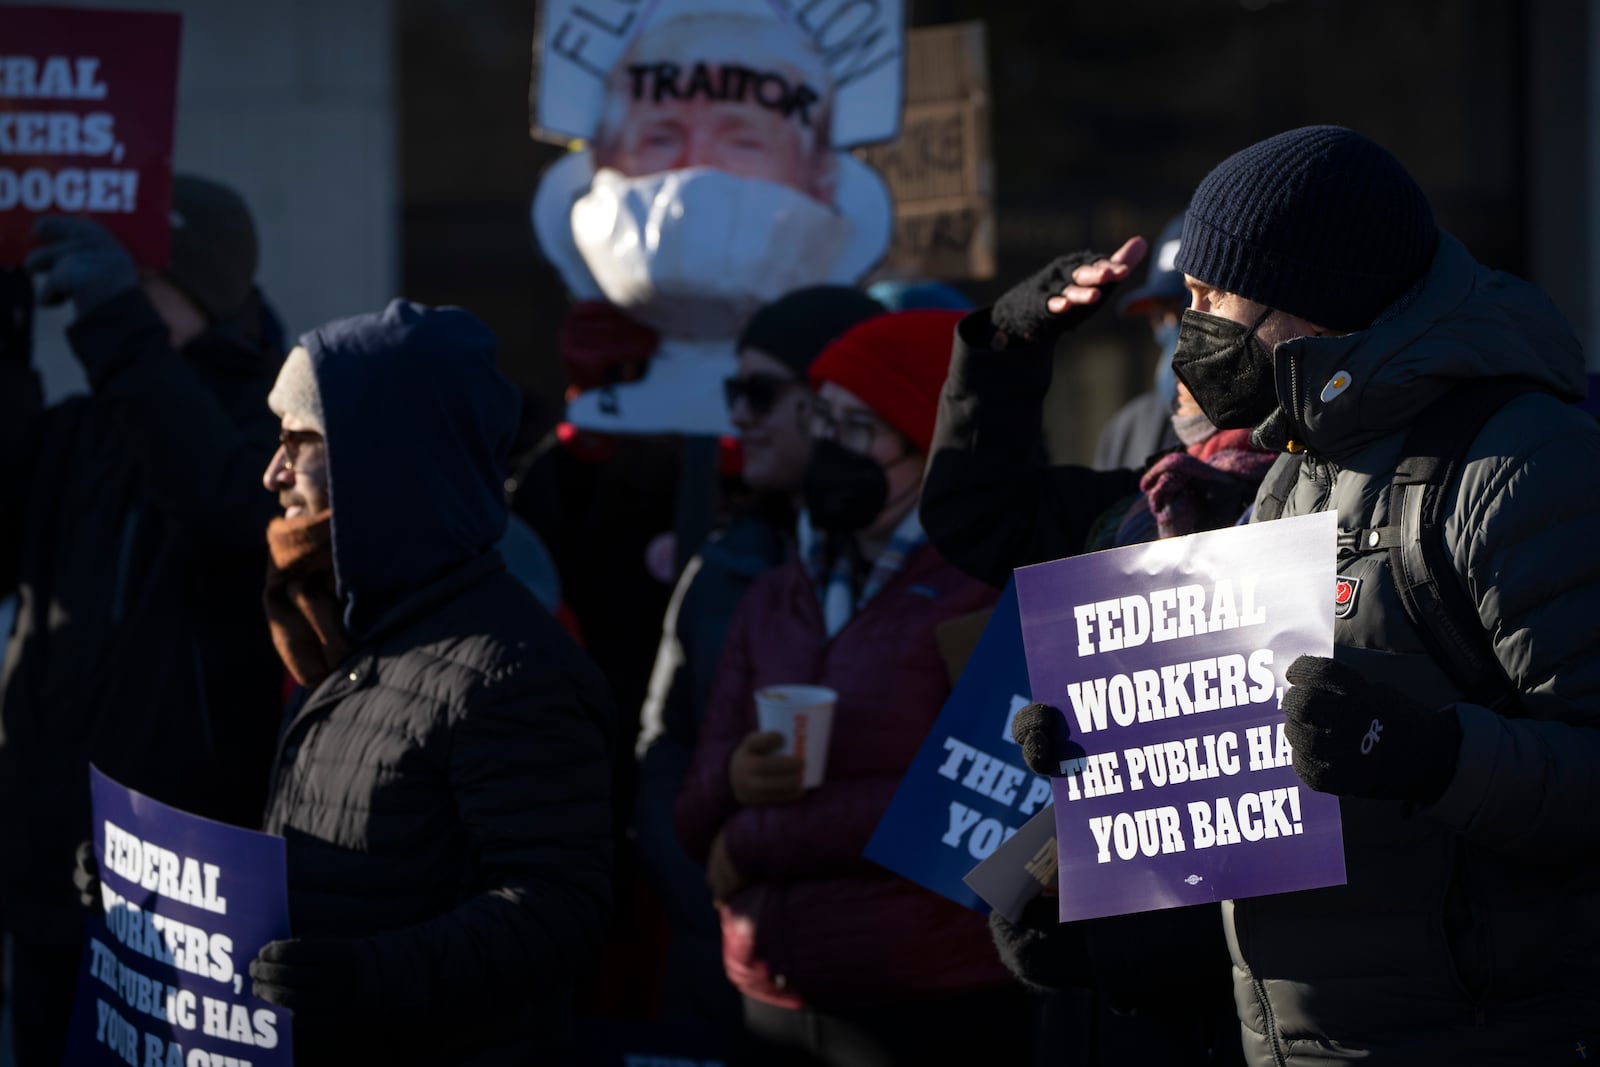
x=444, y=793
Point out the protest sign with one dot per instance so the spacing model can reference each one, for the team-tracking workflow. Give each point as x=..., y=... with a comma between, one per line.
x=188, y=903
x=940, y=169
x=87, y=106
x=1020, y=869
x=1167, y=661
x=709, y=175
x=967, y=790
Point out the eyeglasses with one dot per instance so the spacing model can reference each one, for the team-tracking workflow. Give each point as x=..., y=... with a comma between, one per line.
x=293, y=441
x=760, y=392
x=854, y=430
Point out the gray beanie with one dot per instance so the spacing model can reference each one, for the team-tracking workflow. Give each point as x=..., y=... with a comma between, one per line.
x=296, y=393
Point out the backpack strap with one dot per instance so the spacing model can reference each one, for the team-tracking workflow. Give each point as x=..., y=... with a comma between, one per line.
x=1425, y=576
x=1277, y=485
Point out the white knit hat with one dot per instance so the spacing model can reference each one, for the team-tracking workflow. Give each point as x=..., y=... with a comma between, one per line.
x=295, y=392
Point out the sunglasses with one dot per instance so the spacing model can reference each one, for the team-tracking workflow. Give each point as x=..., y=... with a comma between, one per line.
x=760, y=392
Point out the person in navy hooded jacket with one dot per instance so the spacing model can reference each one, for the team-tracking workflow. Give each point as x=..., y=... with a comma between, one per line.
x=442, y=775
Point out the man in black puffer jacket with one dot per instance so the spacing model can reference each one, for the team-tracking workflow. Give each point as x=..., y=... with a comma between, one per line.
x=442, y=780
x=1329, y=313
x=131, y=534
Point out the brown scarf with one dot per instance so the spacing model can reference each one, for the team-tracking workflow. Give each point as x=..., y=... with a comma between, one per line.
x=302, y=606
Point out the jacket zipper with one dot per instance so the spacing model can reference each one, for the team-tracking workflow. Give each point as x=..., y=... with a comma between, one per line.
x=1270, y=1020
x=1292, y=408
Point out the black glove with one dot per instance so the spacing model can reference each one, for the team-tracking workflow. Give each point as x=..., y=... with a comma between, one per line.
x=1045, y=737
x=79, y=261
x=324, y=976
x=16, y=315
x=1355, y=738
x=86, y=877
x=1021, y=310
x=1043, y=952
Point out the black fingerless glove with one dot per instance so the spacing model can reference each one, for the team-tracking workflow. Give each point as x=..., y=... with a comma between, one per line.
x=1022, y=311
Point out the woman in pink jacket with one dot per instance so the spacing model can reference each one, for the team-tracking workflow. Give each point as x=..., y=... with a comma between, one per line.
x=839, y=961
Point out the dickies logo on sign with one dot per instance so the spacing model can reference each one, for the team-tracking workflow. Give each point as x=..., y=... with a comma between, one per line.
x=1344, y=595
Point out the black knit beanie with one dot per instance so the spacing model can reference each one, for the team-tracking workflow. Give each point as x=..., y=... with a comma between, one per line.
x=213, y=258
x=796, y=327
x=1320, y=222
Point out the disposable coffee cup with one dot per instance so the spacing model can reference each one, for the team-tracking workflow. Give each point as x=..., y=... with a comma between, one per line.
x=803, y=714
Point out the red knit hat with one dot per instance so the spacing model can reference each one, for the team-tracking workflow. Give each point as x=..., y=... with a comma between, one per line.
x=896, y=364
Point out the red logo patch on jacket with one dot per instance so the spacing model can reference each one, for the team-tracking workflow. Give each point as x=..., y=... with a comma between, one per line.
x=1344, y=595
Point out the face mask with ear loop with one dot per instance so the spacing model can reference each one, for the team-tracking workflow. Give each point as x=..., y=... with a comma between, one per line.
x=1226, y=368
x=1166, y=382
x=845, y=491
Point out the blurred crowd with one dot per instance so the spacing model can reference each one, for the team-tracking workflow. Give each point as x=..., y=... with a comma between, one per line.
x=492, y=676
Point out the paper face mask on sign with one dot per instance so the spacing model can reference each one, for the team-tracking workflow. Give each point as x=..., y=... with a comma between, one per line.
x=693, y=253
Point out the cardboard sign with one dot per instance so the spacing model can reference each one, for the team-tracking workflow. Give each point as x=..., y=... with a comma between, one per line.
x=967, y=790
x=1167, y=661
x=188, y=903
x=1020, y=869
x=87, y=106
x=940, y=169
x=861, y=44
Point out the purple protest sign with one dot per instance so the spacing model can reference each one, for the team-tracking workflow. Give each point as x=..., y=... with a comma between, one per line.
x=187, y=904
x=1167, y=661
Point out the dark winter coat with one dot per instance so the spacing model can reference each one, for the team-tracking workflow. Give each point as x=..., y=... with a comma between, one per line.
x=992, y=501
x=1469, y=931
x=132, y=534
x=445, y=792
x=696, y=626
x=693, y=635
x=818, y=924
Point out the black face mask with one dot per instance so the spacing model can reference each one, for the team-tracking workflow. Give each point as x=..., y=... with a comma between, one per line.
x=1226, y=369
x=844, y=490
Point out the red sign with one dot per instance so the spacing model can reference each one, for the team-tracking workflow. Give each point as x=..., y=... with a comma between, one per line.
x=87, y=107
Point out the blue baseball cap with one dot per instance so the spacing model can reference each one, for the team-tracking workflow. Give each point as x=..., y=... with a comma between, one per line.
x=1164, y=282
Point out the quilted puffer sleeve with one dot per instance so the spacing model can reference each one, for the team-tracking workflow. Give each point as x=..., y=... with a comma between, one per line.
x=530, y=776
x=1525, y=533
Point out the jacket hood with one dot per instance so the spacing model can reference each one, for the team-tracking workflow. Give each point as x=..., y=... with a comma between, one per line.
x=418, y=427
x=1461, y=322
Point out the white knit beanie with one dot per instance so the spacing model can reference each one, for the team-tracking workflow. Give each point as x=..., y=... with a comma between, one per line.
x=295, y=392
